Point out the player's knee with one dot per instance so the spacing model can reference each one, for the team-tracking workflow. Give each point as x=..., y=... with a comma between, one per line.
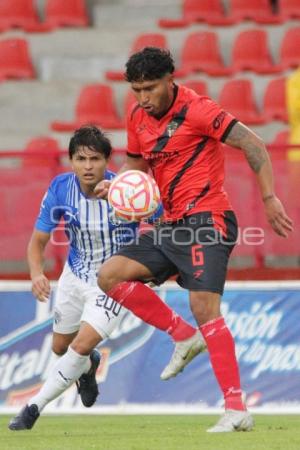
x=205, y=306
x=59, y=348
x=81, y=347
x=107, y=279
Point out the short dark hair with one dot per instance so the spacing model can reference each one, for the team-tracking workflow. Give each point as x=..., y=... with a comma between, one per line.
x=92, y=137
x=151, y=63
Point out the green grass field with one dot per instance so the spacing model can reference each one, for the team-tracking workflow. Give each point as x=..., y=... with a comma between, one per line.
x=149, y=433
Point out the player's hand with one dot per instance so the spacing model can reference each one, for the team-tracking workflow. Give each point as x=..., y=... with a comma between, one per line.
x=40, y=287
x=277, y=217
x=101, y=190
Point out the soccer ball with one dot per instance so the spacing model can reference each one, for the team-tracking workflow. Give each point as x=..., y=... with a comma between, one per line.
x=134, y=195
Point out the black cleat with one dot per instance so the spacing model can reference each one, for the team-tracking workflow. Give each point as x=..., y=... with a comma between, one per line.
x=87, y=385
x=26, y=419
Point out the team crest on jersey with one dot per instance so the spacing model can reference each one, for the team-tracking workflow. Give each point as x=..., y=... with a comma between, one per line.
x=172, y=127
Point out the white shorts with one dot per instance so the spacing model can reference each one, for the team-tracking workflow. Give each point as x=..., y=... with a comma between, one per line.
x=77, y=301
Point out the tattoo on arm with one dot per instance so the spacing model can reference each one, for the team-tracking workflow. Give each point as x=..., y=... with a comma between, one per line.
x=242, y=137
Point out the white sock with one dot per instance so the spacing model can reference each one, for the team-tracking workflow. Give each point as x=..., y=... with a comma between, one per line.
x=66, y=370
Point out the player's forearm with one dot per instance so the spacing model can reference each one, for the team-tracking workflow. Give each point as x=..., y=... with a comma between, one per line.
x=35, y=257
x=256, y=154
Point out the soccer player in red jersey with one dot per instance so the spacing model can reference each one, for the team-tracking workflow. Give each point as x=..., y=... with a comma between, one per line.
x=178, y=134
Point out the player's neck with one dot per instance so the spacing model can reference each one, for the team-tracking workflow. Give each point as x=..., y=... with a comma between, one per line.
x=88, y=191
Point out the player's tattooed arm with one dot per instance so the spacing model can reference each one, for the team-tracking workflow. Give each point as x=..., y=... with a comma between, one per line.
x=258, y=158
x=253, y=147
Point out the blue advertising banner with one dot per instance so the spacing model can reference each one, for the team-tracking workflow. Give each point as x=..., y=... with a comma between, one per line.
x=263, y=317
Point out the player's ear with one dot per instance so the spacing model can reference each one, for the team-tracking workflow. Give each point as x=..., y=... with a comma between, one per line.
x=170, y=80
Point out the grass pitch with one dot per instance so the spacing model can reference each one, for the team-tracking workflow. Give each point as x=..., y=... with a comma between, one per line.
x=163, y=432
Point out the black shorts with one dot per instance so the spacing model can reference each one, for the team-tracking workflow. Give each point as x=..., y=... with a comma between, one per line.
x=196, y=248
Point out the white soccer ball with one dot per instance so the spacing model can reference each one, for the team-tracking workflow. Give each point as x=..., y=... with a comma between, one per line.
x=134, y=195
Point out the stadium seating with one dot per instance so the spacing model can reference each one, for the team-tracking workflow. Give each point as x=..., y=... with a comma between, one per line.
x=193, y=11
x=15, y=60
x=129, y=100
x=71, y=13
x=141, y=41
x=281, y=138
x=290, y=49
x=260, y=11
x=289, y=9
x=201, y=52
x=21, y=215
x=18, y=14
x=95, y=105
x=200, y=87
x=117, y=159
x=274, y=103
x=34, y=150
x=237, y=97
x=251, y=52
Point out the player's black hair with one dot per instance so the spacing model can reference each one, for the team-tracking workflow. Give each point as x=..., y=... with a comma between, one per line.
x=92, y=137
x=151, y=63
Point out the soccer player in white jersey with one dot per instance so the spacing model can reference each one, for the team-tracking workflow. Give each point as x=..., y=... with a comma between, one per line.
x=84, y=315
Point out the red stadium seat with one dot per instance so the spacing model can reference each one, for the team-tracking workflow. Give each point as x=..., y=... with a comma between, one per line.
x=149, y=40
x=209, y=11
x=41, y=152
x=274, y=104
x=141, y=41
x=117, y=159
x=258, y=10
x=18, y=14
x=15, y=60
x=237, y=97
x=96, y=106
x=200, y=87
x=21, y=194
x=128, y=101
x=281, y=138
x=14, y=181
x=290, y=49
x=70, y=13
x=201, y=53
x=289, y=9
x=251, y=52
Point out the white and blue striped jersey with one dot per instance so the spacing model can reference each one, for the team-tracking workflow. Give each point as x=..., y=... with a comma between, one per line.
x=92, y=232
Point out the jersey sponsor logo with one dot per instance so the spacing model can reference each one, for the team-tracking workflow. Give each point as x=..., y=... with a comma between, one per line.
x=155, y=158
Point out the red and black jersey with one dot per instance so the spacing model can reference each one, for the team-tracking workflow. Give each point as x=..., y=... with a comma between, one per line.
x=184, y=152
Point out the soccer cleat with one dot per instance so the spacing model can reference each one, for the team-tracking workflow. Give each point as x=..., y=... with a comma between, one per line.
x=26, y=419
x=233, y=420
x=87, y=384
x=184, y=352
